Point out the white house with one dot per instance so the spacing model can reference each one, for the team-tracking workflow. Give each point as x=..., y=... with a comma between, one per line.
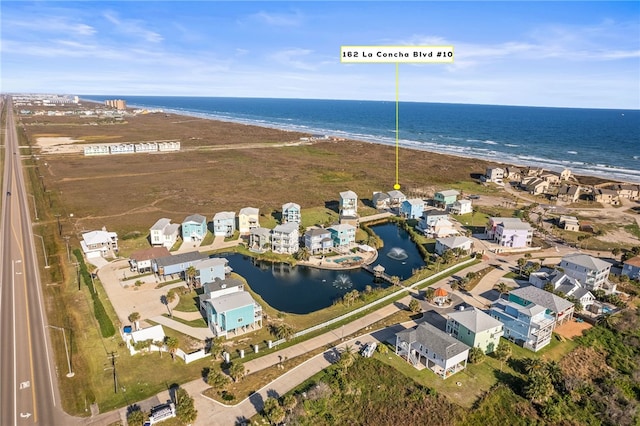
x=285, y=238
x=590, y=271
x=291, y=213
x=441, y=228
x=349, y=208
x=433, y=348
x=452, y=243
x=153, y=334
x=494, y=174
x=461, y=207
x=99, y=243
x=509, y=232
x=164, y=233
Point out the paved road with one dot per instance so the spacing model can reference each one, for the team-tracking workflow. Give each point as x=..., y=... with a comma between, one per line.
x=28, y=383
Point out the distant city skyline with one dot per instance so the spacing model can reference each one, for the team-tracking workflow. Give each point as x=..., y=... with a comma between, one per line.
x=557, y=54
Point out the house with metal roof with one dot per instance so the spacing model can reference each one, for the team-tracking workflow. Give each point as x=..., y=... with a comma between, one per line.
x=348, y=208
x=164, y=233
x=590, y=271
x=528, y=325
x=396, y=198
x=285, y=238
x=318, y=240
x=291, y=213
x=194, y=228
x=99, y=243
x=260, y=239
x=412, y=208
x=427, y=346
x=560, y=309
x=475, y=328
x=224, y=224
x=509, y=232
x=631, y=268
x=210, y=269
x=445, y=198
x=234, y=312
x=176, y=264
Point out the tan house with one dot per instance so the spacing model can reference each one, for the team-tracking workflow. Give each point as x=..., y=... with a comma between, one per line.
x=630, y=192
x=569, y=223
x=606, y=196
x=534, y=185
x=551, y=177
x=569, y=193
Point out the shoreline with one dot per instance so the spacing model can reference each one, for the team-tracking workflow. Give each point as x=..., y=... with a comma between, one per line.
x=584, y=170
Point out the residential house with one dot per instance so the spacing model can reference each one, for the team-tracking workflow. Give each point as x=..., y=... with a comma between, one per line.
x=551, y=177
x=381, y=200
x=513, y=173
x=631, y=268
x=248, y=219
x=441, y=228
x=140, y=261
x=219, y=287
x=461, y=207
x=509, y=232
x=590, y=271
x=565, y=174
x=291, y=213
x=452, y=243
x=446, y=198
x=224, y=224
x=569, y=223
x=433, y=348
x=569, y=193
x=164, y=233
x=96, y=150
x=260, y=239
x=430, y=217
x=475, y=328
x=630, y=192
x=155, y=333
x=233, y=312
x=349, y=208
x=557, y=307
x=176, y=264
x=534, y=185
x=169, y=146
x=562, y=284
x=396, y=199
x=99, y=243
x=285, y=238
x=122, y=148
x=211, y=269
x=343, y=236
x=494, y=174
x=194, y=228
x=318, y=240
x=605, y=196
x=146, y=147
x=412, y=208
x=528, y=325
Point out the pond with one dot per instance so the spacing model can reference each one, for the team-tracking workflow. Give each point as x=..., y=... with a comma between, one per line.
x=301, y=289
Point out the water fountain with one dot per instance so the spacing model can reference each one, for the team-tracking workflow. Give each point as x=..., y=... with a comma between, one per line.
x=397, y=253
x=343, y=282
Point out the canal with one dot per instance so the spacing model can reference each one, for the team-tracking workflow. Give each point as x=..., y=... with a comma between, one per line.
x=301, y=289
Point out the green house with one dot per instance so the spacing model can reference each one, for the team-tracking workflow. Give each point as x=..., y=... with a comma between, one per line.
x=475, y=328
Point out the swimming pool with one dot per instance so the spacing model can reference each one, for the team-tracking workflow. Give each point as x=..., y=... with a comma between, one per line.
x=347, y=259
x=606, y=309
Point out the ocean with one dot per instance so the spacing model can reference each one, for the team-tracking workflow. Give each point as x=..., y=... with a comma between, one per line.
x=596, y=142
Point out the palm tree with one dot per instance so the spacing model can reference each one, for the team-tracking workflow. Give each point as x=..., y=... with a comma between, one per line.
x=191, y=273
x=172, y=345
x=303, y=254
x=429, y=294
x=521, y=262
x=289, y=402
x=502, y=288
x=169, y=298
x=274, y=411
x=159, y=344
x=237, y=371
x=538, y=388
x=346, y=358
x=503, y=352
x=134, y=316
x=455, y=285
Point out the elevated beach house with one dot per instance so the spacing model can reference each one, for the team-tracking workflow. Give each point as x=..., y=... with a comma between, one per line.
x=211, y=269
x=509, y=232
x=631, y=268
x=560, y=309
x=461, y=207
x=285, y=238
x=562, y=284
x=343, y=236
x=427, y=346
x=248, y=219
x=527, y=325
x=229, y=309
x=99, y=243
x=461, y=243
x=224, y=224
x=590, y=271
x=260, y=239
x=348, y=208
x=291, y=213
x=444, y=199
x=494, y=174
x=396, y=198
x=412, y=208
x=318, y=241
x=475, y=328
x=194, y=228
x=176, y=264
x=164, y=233
x=430, y=217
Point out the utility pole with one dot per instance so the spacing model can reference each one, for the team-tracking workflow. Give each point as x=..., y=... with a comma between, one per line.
x=35, y=207
x=113, y=357
x=57, y=215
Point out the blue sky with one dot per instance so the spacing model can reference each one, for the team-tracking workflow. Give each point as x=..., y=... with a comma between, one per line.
x=575, y=54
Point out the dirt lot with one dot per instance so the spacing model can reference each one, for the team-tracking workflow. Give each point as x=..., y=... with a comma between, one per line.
x=572, y=329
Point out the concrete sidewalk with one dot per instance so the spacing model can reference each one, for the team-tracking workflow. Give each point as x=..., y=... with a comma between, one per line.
x=200, y=333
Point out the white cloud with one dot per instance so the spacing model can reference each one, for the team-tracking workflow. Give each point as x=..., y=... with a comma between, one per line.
x=132, y=27
x=278, y=19
x=293, y=58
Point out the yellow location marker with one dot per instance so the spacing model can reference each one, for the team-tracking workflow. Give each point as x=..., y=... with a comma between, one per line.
x=396, y=54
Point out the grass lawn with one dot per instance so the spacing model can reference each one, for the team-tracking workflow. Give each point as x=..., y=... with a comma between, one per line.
x=208, y=239
x=318, y=216
x=197, y=323
x=188, y=302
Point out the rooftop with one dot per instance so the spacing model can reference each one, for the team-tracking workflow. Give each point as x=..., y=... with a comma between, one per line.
x=586, y=261
x=250, y=211
x=448, y=193
x=435, y=340
x=475, y=320
x=224, y=215
x=219, y=284
x=175, y=259
x=150, y=253
x=196, y=218
x=228, y=302
x=160, y=224
x=348, y=195
x=543, y=298
x=634, y=261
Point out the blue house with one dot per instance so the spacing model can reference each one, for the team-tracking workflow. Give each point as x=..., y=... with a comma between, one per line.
x=235, y=313
x=291, y=213
x=631, y=268
x=208, y=270
x=343, y=235
x=412, y=208
x=194, y=228
x=176, y=264
x=528, y=325
x=224, y=224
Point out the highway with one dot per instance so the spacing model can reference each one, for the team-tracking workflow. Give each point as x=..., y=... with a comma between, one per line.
x=28, y=382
